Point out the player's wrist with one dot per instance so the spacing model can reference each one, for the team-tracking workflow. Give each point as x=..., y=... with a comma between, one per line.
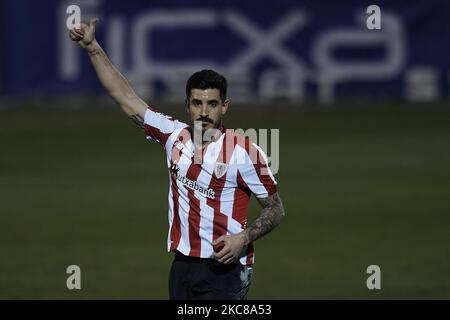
x=246, y=237
x=92, y=47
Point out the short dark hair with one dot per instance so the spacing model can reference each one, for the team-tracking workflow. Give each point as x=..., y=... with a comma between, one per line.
x=207, y=79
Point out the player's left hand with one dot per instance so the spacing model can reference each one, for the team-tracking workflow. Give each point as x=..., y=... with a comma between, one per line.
x=232, y=248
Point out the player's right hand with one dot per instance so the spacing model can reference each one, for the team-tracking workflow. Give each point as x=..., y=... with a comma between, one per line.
x=85, y=35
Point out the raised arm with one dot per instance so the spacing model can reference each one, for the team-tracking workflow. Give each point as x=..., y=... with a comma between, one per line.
x=112, y=80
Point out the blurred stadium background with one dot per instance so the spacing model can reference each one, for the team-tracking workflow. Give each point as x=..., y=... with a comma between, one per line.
x=364, y=143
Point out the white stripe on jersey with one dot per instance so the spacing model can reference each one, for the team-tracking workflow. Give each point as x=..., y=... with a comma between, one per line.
x=171, y=213
x=249, y=174
x=207, y=213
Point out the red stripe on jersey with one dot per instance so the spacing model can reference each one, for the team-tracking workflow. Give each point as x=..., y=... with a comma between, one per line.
x=250, y=254
x=156, y=134
x=175, y=230
x=242, y=196
x=260, y=164
x=241, y=199
x=194, y=213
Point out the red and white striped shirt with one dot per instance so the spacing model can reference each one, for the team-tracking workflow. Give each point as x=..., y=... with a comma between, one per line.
x=209, y=188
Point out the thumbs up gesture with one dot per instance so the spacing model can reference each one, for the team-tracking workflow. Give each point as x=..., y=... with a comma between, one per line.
x=85, y=35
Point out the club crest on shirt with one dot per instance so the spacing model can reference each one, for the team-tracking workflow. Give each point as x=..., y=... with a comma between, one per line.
x=220, y=169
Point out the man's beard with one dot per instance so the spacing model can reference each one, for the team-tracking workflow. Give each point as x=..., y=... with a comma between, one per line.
x=206, y=133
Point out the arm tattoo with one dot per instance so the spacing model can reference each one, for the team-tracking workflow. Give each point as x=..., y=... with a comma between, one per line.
x=137, y=119
x=270, y=217
x=94, y=52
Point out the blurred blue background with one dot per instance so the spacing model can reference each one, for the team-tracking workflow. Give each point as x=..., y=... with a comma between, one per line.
x=294, y=50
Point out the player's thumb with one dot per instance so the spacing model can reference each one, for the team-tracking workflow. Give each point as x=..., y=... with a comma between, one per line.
x=92, y=23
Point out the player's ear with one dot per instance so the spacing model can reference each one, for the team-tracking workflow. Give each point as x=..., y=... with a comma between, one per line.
x=225, y=106
x=186, y=101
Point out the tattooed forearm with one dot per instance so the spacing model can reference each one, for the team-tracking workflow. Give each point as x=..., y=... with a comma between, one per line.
x=270, y=217
x=94, y=52
x=137, y=119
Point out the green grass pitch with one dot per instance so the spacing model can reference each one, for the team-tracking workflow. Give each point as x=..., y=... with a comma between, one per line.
x=361, y=186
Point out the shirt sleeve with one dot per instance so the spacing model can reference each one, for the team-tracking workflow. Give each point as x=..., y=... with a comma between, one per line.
x=159, y=127
x=255, y=174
